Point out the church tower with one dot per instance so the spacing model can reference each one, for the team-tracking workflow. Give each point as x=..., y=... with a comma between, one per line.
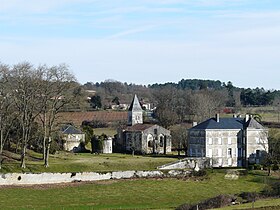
x=135, y=112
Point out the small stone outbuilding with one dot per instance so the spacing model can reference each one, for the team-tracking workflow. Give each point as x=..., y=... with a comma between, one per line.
x=73, y=138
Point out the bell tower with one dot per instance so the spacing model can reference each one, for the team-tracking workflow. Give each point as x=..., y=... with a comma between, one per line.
x=135, y=112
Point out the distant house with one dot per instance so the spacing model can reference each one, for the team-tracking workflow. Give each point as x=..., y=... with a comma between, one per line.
x=229, y=142
x=140, y=137
x=73, y=138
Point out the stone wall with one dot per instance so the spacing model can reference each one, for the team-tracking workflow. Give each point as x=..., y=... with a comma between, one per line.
x=187, y=163
x=55, y=178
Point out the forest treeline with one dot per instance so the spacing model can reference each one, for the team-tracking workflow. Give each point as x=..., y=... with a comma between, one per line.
x=111, y=91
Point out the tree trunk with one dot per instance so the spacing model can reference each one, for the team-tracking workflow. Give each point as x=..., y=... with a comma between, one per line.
x=23, y=153
x=46, y=164
x=45, y=138
x=44, y=148
x=1, y=147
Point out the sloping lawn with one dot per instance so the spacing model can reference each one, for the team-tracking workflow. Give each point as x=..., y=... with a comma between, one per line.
x=70, y=162
x=125, y=194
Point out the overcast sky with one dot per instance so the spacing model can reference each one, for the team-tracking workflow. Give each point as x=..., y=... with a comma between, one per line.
x=147, y=41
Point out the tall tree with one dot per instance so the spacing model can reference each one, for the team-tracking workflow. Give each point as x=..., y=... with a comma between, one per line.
x=25, y=81
x=7, y=114
x=58, y=88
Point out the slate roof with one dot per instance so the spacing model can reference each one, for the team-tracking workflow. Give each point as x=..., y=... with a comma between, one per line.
x=228, y=123
x=135, y=105
x=252, y=123
x=69, y=129
x=224, y=123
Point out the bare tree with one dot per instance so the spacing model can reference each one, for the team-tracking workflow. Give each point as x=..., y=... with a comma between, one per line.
x=166, y=106
x=205, y=104
x=25, y=81
x=180, y=138
x=58, y=86
x=7, y=114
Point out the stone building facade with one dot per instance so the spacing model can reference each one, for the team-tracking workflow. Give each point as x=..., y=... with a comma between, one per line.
x=140, y=137
x=229, y=142
x=73, y=138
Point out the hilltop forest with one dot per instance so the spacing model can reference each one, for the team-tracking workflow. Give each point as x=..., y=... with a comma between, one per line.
x=189, y=99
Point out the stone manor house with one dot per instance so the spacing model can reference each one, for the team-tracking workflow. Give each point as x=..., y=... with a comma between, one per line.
x=229, y=142
x=140, y=137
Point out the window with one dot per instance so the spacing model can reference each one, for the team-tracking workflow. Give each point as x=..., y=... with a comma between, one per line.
x=155, y=131
x=219, y=152
x=219, y=140
x=210, y=141
x=229, y=153
x=239, y=152
x=210, y=153
x=229, y=140
x=220, y=161
x=161, y=141
x=150, y=144
x=258, y=153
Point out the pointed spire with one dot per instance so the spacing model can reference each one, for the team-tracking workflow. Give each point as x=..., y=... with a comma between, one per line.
x=135, y=112
x=135, y=105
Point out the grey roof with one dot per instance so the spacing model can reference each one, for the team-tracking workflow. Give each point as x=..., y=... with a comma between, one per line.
x=70, y=129
x=252, y=123
x=135, y=105
x=228, y=123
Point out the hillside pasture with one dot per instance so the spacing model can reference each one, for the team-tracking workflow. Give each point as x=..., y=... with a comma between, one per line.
x=125, y=194
x=84, y=162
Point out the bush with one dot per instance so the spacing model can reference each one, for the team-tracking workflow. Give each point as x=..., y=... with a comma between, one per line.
x=249, y=196
x=275, y=167
x=257, y=167
x=216, y=202
x=199, y=173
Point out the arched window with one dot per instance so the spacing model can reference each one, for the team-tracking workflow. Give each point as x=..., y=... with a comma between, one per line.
x=150, y=140
x=161, y=140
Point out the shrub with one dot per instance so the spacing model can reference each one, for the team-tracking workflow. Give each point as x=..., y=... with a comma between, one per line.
x=216, y=202
x=275, y=167
x=199, y=173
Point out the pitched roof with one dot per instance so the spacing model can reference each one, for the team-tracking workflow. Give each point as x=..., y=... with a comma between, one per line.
x=138, y=127
x=252, y=123
x=135, y=105
x=224, y=123
x=228, y=123
x=69, y=129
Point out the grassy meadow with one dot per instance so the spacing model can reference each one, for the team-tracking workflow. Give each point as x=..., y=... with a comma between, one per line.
x=126, y=194
x=82, y=162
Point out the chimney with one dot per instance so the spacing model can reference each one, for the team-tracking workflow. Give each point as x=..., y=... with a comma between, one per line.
x=194, y=124
x=247, y=117
x=218, y=117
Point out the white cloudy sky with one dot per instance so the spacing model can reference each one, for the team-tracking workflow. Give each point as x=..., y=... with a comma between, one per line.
x=147, y=41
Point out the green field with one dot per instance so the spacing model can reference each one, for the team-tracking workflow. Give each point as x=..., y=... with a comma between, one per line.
x=125, y=194
x=74, y=162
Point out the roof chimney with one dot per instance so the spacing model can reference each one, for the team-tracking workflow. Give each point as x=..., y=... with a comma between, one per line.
x=194, y=124
x=218, y=117
x=247, y=117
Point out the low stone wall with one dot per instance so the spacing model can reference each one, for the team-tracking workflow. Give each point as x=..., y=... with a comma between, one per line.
x=55, y=178
x=187, y=163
